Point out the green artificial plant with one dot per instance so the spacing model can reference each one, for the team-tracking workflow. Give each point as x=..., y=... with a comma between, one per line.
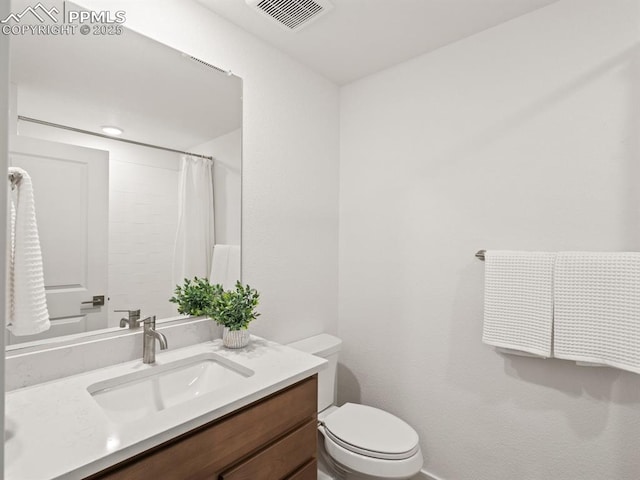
x=234, y=309
x=195, y=297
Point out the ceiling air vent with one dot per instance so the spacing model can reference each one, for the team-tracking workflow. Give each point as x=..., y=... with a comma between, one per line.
x=292, y=14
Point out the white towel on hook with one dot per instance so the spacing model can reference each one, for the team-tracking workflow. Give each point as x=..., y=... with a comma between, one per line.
x=225, y=265
x=518, y=301
x=597, y=308
x=27, y=303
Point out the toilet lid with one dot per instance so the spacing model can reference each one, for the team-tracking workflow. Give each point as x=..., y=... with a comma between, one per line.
x=372, y=432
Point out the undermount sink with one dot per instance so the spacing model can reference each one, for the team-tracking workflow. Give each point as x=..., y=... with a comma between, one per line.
x=137, y=395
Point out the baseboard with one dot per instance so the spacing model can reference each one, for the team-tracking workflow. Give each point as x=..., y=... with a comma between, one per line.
x=423, y=475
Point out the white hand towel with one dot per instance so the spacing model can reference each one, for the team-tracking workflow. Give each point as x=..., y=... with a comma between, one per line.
x=225, y=265
x=27, y=303
x=518, y=301
x=597, y=308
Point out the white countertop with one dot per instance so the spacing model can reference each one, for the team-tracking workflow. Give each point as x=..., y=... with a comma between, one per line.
x=56, y=430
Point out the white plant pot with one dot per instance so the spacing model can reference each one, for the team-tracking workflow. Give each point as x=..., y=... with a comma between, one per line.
x=235, y=338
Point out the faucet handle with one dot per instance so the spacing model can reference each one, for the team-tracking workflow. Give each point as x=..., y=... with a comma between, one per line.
x=149, y=321
x=133, y=321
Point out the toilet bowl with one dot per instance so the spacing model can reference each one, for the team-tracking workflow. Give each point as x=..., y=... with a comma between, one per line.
x=359, y=441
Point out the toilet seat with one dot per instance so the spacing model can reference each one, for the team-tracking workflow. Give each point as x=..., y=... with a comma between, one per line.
x=347, y=461
x=371, y=432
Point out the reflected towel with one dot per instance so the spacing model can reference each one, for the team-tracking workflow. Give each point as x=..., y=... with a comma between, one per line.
x=518, y=301
x=225, y=265
x=27, y=302
x=597, y=308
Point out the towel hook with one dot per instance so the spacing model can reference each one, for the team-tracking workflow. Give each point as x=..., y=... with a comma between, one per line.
x=15, y=178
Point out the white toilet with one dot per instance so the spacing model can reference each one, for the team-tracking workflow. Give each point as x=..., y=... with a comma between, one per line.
x=359, y=442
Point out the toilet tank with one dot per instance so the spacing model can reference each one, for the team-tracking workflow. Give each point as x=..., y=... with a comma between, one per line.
x=324, y=346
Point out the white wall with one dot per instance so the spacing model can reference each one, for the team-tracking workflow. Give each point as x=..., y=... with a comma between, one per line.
x=525, y=136
x=290, y=163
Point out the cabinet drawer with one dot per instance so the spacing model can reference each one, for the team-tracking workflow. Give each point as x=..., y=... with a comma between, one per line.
x=280, y=459
x=307, y=472
x=205, y=452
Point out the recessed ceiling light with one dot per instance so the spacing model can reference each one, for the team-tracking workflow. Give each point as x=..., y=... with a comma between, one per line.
x=109, y=130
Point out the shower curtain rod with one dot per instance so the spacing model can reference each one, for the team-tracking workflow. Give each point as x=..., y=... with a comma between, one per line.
x=87, y=132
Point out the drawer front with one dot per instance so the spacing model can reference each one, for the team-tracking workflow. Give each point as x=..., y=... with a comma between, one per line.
x=307, y=472
x=207, y=451
x=280, y=459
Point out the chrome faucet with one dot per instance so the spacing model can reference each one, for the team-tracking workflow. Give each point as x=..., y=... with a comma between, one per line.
x=133, y=321
x=149, y=338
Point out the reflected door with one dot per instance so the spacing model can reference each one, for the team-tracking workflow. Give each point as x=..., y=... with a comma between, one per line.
x=70, y=186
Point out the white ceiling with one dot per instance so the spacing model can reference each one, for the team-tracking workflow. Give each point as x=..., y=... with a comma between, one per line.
x=359, y=37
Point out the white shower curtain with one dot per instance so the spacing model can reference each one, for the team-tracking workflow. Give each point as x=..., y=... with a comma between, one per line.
x=195, y=235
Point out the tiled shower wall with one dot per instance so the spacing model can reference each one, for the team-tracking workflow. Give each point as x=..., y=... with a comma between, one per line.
x=143, y=214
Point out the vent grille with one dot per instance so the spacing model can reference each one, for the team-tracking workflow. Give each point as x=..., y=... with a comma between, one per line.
x=207, y=64
x=293, y=14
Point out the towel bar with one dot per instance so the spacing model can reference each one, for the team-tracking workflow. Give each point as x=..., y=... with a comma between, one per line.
x=480, y=254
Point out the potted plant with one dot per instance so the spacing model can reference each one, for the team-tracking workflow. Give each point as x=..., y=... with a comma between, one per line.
x=195, y=296
x=234, y=310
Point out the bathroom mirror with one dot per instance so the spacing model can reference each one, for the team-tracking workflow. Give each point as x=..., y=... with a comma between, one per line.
x=108, y=210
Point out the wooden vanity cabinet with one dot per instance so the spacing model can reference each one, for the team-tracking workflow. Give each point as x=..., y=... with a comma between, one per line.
x=273, y=438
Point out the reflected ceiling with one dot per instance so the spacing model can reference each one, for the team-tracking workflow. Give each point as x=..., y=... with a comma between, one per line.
x=72, y=80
